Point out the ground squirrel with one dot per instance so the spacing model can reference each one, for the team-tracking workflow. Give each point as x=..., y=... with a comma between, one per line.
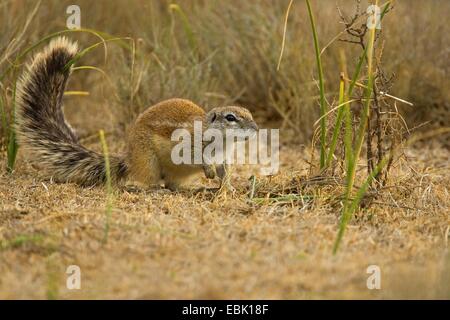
x=41, y=127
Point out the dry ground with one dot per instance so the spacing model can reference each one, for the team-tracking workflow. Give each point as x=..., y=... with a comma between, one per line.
x=185, y=246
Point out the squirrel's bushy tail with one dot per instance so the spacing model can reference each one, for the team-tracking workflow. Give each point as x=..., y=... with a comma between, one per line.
x=40, y=123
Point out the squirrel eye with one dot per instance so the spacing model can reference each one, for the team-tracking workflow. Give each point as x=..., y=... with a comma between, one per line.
x=230, y=117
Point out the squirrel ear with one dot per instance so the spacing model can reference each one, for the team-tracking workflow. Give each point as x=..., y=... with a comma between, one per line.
x=212, y=116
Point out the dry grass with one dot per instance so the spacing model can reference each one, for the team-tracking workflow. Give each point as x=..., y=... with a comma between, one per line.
x=236, y=59
x=276, y=245
x=184, y=246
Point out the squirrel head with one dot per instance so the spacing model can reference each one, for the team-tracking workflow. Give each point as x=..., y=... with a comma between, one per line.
x=232, y=118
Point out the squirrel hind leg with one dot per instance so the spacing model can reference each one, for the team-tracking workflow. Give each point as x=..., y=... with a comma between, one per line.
x=144, y=170
x=175, y=183
x=180, y=178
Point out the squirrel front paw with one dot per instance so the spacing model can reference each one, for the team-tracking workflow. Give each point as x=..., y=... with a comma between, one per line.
x=210, y=173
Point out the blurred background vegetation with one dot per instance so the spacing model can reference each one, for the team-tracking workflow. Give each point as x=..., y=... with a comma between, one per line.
x=226, y=52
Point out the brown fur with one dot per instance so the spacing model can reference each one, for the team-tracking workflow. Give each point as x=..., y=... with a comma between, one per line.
x=42, y=128
x=150, y=145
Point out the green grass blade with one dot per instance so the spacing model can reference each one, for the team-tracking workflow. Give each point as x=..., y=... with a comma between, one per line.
x=4, y=120
x=355, y=77
x=351, y=170
x=109, y=189
x=363, y=189
x=348, y=135
x=367, y=94
x=362, y=58
x=348, y=213
x=80, y=54
x=12, y=151
x=186, y=25
x=323, y=106
x=12, y=142
x=338, y=124
x=38, y=43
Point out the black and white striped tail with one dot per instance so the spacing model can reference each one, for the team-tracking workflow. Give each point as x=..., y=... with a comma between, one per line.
x=40, y=122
